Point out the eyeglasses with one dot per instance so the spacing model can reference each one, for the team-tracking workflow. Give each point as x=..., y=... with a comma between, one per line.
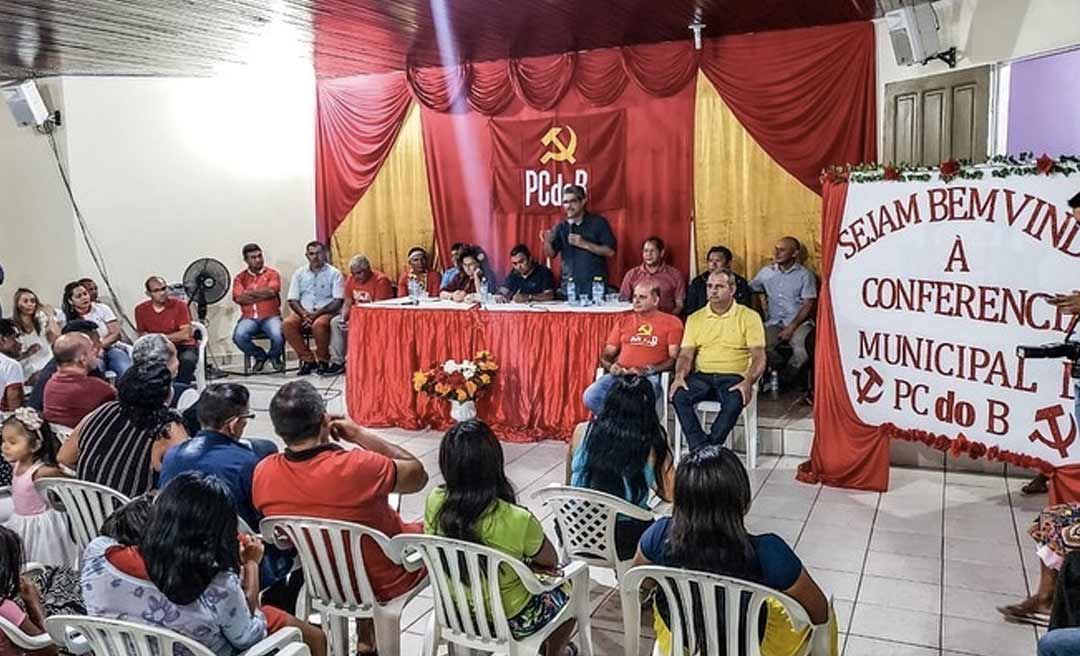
x=159, y=289
x=249, y=416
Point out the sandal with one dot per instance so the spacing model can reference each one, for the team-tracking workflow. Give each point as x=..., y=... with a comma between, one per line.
x=1037, y=485
x=1026, y=612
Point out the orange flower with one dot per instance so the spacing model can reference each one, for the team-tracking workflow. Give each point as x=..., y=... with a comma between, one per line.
x=470, y=387
x=462, y=396
x=419, y=379
x=442, y=389
x=485, y=379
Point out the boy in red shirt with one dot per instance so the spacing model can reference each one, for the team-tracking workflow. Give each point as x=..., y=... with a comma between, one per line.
x=315, y=477
x=645, y=343
x=170, y=317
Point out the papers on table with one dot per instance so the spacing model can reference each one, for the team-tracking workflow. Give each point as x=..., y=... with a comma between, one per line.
x=440, y=304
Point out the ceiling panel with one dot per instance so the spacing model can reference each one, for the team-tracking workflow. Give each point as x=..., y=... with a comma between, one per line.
x=346, y=37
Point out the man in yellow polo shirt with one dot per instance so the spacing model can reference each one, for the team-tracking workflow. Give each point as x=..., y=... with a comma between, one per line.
x=722, y=356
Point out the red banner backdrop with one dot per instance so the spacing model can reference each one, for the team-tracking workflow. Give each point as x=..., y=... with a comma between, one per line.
x=532, y=160
x=637, y=155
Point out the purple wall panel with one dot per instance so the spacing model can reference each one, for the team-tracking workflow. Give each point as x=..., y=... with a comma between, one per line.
x=1044, y=105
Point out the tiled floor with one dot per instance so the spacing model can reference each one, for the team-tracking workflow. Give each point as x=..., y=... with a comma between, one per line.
x=917, y=570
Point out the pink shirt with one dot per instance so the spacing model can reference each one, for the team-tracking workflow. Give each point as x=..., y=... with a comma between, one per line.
x=24, y=495
x=671, y=281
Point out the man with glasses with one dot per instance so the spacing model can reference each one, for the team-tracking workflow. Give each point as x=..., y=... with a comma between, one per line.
x=219, y=449
x=171, y=318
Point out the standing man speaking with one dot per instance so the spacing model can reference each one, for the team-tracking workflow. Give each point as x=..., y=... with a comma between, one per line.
x=584, y=240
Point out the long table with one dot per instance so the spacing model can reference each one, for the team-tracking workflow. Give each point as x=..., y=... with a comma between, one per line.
x=547, y=354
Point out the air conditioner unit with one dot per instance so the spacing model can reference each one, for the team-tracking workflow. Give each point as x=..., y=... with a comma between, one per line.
x=26, y=104
x=914, y=34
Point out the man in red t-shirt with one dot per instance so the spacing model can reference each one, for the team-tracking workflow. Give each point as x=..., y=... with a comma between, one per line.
x=364, y=285
x=315, y=477
x=645, y=343
x=72, y=393
x=170, y=317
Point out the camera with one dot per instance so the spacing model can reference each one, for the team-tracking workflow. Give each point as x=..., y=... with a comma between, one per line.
x=1068, y=350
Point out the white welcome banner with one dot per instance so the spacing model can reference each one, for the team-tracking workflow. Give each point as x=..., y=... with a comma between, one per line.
x=934, y=285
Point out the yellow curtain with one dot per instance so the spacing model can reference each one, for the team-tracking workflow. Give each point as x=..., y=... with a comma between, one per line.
x=742, y=198
x=395, y=213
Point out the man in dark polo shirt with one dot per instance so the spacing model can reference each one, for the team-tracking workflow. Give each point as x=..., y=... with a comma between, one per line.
x=584, y=240
x=529, y=282
x=72, y=393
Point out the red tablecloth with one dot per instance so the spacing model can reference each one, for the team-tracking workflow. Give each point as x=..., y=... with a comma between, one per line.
x=546, y=360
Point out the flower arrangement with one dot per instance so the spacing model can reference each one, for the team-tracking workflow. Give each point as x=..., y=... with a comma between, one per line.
x=458, y=382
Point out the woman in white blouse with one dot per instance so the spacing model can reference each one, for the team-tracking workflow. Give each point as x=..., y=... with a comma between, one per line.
x=37, y=331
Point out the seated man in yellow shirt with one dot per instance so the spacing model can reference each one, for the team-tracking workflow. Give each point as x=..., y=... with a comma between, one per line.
x=722, y=356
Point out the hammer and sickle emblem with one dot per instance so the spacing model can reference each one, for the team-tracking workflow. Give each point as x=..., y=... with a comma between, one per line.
x=874, y=381
x=1057, y=441
x=562, y=152
x=645, y=329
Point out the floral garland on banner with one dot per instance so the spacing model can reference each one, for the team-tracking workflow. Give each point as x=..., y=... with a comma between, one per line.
x=961, y=445
x=460, y=383
x=999, y=166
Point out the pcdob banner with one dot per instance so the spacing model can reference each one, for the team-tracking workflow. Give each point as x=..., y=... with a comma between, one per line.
x=933, y=287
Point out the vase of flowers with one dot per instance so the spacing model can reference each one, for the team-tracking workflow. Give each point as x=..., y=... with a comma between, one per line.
x=460, y=383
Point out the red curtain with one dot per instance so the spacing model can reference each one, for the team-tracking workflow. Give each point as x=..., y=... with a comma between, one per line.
x=358, y=121
x=786, y=87
x=807, y=96
x=846, y=451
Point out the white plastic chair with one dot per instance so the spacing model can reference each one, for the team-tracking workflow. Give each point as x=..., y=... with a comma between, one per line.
x=87, y=505
x=459, y=621
x=662, y=404
x=23, y=640
x=335, y=578
x=750, y=427
x=586, y=519
x=104, y=637
x=203, y=336
x=682, y=587
x=61, y=432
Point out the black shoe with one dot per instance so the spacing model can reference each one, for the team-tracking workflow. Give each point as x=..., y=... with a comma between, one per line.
x=321, y=369
x=333, y=369
x=278, y=364
x=257, y=368
x=306, y=368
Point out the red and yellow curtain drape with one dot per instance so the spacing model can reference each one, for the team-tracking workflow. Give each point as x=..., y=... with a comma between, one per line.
x=771, y=110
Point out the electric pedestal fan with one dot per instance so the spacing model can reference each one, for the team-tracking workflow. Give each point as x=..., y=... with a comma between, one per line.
x=206, y=282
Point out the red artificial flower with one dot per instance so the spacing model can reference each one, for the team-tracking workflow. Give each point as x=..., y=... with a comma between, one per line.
x=949, y=169
x=993, y=453
x=891, y=173
x=1044, y=165
x=941, y=443
x=977, y=450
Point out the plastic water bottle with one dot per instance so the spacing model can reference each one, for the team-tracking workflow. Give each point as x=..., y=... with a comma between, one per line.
x=598, y=290
x=571, y=291
x=774, y=384
x=414, y=290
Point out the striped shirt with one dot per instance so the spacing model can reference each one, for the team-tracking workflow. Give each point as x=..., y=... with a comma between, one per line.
x=116, y=453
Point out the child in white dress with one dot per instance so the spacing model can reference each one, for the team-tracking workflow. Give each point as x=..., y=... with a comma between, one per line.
x=30, y=447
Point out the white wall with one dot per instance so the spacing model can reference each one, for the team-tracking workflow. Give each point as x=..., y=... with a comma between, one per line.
x=984, y=32
x=165, y=170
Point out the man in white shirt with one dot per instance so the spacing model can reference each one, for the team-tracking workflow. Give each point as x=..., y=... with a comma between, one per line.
x=11, y=372
x=315, y=296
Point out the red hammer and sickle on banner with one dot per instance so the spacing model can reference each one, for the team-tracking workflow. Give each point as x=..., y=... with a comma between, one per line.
x=873, y=381
x=1050, y=415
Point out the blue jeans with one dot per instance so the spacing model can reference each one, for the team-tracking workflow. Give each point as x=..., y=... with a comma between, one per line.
x=594, y=395
x=116, y=360
x=708, y=387
x=1060, y=642
x=245, y=331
